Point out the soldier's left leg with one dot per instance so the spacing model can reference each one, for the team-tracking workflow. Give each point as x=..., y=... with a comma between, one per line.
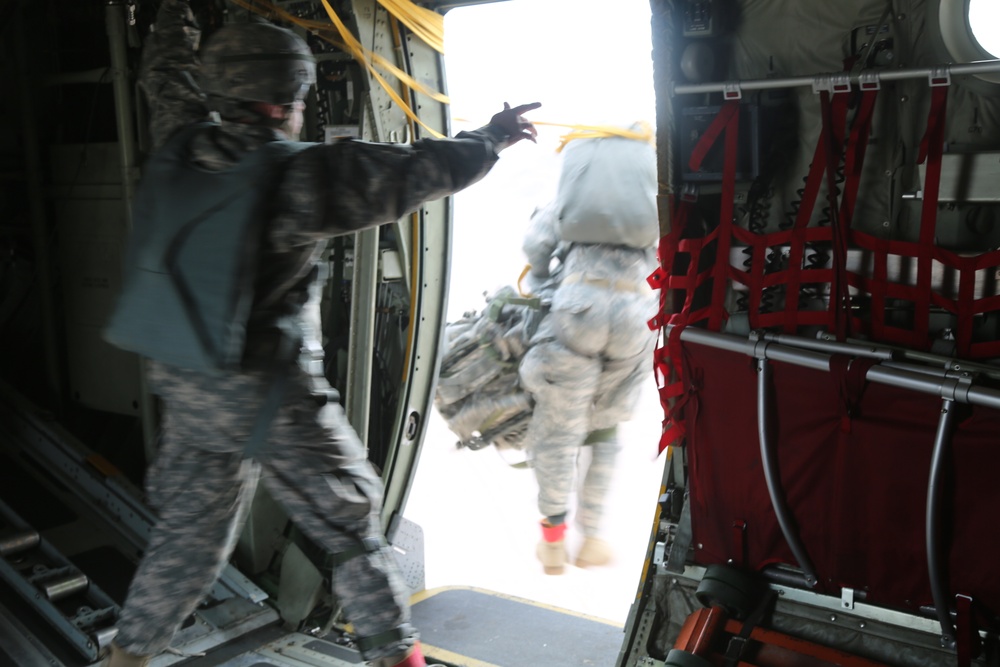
x=318, y=470
x=562, y=385
x=593, y=493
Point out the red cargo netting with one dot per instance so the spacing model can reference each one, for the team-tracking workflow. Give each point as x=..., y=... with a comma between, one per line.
x=892, y=276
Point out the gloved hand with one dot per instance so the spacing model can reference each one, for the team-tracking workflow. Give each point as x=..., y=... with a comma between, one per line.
x=514, y=125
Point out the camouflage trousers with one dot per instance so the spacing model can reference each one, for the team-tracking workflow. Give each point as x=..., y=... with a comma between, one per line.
x=564, y=385
x=201, y=487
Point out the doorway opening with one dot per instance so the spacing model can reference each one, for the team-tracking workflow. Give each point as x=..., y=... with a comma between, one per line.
x=588, y=63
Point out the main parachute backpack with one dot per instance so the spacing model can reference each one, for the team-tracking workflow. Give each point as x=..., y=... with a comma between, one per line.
x=191, y=259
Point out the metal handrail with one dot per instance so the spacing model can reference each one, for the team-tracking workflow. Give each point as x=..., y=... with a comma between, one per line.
x=866, y=79
x=772, y=477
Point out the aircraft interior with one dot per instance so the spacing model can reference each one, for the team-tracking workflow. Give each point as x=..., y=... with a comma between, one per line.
x=826, y=385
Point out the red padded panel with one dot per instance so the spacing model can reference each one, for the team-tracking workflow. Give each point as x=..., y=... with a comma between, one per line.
x=856, y=486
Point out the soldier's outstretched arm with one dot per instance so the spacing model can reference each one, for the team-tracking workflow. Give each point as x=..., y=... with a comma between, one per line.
x=168, y=71
x=361, y=184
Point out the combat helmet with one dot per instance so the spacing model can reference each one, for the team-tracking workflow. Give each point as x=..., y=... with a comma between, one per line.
x=257, y=62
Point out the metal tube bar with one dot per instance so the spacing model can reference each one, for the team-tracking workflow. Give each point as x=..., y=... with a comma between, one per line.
x=815, y=360
x=785, y=577
x=66, y=586
x=34, y=193
x=940, y=360
x=716, y=340
x=22, y=541
x=114, y=22
x=989, y=398
x=935, y=565
x=830, y=346
x=980, y=67
x=936, y=383
x=772, y=478
x=364, y=288
x=97, y=75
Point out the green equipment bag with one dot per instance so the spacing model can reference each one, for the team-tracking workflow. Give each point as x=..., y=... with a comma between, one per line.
x=478, y=391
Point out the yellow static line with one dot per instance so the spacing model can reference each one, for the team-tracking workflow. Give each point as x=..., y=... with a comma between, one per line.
x=426, y=24
x=360, y=53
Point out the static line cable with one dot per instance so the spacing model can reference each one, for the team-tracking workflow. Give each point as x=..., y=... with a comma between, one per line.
x=426, y=24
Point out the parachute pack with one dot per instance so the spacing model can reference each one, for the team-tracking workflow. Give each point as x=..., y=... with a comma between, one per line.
x=478, y=392
x=607, y=193
x=191, y=258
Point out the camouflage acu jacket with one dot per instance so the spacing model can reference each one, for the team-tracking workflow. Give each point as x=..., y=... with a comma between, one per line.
x=321, y=192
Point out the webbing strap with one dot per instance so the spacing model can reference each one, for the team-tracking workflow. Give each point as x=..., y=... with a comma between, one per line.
x=719, y=124
x=667, y=360
x=826, y=158
x=931, y=150
x=834, y=117
x=720, y=275
x=857, y=146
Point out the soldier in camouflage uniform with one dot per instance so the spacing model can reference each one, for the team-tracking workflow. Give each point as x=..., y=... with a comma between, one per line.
x=252, y=78
x=586, y=362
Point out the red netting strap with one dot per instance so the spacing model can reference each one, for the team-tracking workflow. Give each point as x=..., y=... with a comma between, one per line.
x=667, y=368
x=826, y=159
x=931, y=149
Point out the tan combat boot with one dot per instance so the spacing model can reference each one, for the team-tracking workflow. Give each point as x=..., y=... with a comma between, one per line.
x=594, y=551
x=552, y=549
x=119, y=657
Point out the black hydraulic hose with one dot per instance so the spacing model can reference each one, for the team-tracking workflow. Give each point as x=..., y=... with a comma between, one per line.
x=935, y=564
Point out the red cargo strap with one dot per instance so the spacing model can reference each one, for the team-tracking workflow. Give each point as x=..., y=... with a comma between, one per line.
x=720, y=273
x=825, y=160
x=968, y=643
x=857, y=146
x=712, y=132
x=667, y=369
x=931, y=149
x=673, y=396
x=850, y=373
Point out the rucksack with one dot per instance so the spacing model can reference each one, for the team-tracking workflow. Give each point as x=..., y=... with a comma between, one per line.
x=478, y=391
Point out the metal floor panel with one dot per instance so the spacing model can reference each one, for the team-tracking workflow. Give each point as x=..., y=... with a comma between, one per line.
x=19, y=648
x=479, y=628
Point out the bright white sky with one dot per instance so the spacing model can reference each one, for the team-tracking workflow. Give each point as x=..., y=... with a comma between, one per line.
x=585, y=63
x=984, y=17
